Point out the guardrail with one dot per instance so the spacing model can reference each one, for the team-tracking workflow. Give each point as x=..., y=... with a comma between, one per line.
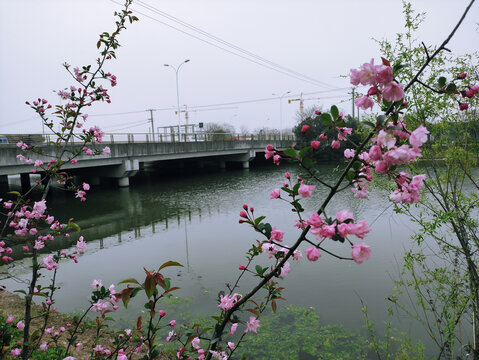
x=112, y=138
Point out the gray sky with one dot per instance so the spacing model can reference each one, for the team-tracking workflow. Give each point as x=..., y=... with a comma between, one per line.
x=321, y=39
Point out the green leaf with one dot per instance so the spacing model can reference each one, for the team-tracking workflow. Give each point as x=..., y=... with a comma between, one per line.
x=169, y=263
x=304, y=151
x=308, y=162
x=369, y=123
x=381, y=118
x=296, y=188
x=267, y=230
x=15, y=193
x=451, y=88
x=150, y=286
x=291, y=152
x=334, y=112
x=131, y=280
x=259, y=219
x=326, y=118
x=441, y=81
x=259, y=270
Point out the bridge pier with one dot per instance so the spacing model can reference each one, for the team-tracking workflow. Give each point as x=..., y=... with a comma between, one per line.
x=25, y=182
x=124, y=181
x=3, y=179
x=246, y=164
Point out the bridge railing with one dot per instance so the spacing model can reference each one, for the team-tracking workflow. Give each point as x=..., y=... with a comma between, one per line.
x=112, y=138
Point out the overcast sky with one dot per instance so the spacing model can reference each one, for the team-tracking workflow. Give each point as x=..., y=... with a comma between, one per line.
x=318, y=38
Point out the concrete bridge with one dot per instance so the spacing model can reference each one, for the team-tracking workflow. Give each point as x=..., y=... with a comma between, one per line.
x=129, y=153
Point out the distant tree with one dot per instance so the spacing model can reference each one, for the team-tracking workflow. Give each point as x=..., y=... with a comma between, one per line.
x=215, y=131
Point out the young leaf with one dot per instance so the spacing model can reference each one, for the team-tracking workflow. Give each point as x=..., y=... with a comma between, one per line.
x=334, y=112
x=169, y=263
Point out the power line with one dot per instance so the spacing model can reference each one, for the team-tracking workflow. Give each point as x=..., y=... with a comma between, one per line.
x=222, y=48
x=224, y=42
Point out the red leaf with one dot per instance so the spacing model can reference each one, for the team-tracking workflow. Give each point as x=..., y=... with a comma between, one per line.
x=385, y=62
x=138, y=323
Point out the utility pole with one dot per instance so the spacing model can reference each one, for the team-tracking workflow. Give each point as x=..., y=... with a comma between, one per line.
x=353, y=100
x=301, y=105
x=152, y=123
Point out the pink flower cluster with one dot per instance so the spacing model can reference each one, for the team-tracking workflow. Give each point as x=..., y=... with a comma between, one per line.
x=338, y=229
x=4, y=252
x=381, y=80
x=387, y=152
x=228, y=301
x=271, y=152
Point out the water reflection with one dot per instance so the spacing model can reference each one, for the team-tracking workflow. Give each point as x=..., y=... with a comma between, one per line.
x=193, y=220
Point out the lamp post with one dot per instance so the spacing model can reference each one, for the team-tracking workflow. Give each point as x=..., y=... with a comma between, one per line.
x=281, y=113
x=178, y=92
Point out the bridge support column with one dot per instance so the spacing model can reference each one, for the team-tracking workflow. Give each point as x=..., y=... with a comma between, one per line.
x=124, y=181
x=25, y=182
x=3, y=179
x=245, y=164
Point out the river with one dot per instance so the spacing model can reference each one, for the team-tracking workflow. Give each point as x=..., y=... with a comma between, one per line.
x=193, y=219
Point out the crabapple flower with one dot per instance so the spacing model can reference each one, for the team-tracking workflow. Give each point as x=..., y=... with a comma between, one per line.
x=106, y=150
x=276, y=193
x=305, y=128
x=418, y=137
x=16, y=352
x=86, y=186
x=269, y=151
x=364, y=102
x=313, y=254
x=20, y=325
x=10, y=319
x=315, y=144
x=96, y=284
x=252, y=324
x=227, y=301
x=285, y=270
x=335, y=144
x=81, y=245
x=231, y=345
x=306, y=190
x=233, y=328
x=172, y=323
x=348, y=153
x=344, y=215
x=276, y=235
x=393, y=92
x=360, y=253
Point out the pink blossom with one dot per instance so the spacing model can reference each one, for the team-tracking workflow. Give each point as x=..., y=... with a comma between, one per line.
x=328, y=231
x=81, y=245
x=74, y=161
x=381, y=167
x=16, y=352
x=269, y=151
x=49, y=262
x=463, y=106
x=386, y=139
x=121, y=355
x=172, y=323
x=20, y=325
x=360, y=253
x=276, y=193
x=462, y=76
x=360, y=229
x=385, y=75
x=312, y=253
x=335, y=144
x=314, y=220
x=233, y=328
x=297, y=255
x=86, y=186
x=38, y=163
x=315, y=144
x=96, y=284
x=418, y=137
x=348, y=153
x=305, y=128
x=344, y=229
x=276, y=159
x=306, y=190
x=106, y=150
x=393, y=92
x=241, y=267
x=344, y=215
x=375, y=153
x=10, y=319
x=323, y=137
x=228, y=301
x=285, y=270
x=231, y=345
x=252, y=324
x=276, y=234
x=364, y=102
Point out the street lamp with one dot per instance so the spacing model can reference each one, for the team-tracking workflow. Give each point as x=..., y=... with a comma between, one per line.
x=178, y=91
x=281, y=113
